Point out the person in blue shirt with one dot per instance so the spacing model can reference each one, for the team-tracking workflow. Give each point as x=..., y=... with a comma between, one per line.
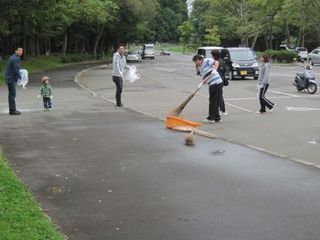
x=12, y=75
x=208, y=71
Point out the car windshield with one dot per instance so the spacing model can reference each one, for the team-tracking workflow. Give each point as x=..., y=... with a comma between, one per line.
x=132, y=52
x=302, y=49
x=242, y=55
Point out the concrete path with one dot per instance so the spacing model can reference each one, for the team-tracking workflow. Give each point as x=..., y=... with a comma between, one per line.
x=104, y=173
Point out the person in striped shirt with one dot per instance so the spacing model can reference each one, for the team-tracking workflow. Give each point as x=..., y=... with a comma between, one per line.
x=211, y=77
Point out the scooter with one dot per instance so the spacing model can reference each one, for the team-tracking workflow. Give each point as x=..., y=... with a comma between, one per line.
x=305, y=84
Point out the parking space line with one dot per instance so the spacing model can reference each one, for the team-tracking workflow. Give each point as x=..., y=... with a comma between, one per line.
x=229, y=104
x=286, y=94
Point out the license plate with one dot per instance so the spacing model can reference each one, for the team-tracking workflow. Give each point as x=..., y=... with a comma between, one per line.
x=243, y=72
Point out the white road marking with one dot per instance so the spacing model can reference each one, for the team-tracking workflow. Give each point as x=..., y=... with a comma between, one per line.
x=301, y=109
x=163, y=69
x=286, y=94
x=241, y=108
x=229, y=104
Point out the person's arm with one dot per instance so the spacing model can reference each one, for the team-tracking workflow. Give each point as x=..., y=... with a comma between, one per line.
x=261, y=75
x=118, y=59
x=216, y=65
x=16, y=67
x=41, y=91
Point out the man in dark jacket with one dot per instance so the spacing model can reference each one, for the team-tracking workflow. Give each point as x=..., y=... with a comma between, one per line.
x=12, y=75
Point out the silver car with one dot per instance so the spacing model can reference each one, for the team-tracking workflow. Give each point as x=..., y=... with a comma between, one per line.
x=314, y=57
x=133, y=56
x=302, y=53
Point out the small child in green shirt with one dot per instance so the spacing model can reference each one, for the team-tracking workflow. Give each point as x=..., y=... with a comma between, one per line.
x=46, y=93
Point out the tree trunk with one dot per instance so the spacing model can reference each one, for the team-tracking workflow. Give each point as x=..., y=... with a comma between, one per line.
x=253, y=44
x=37, y=42
x=288, y=32
x=97, y=40
x=65, y=44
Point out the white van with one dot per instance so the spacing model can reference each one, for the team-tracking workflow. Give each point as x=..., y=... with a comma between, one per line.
x=148, y=51
x=206, y=51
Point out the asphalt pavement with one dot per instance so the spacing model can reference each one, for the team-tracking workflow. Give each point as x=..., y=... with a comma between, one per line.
x=105, y=173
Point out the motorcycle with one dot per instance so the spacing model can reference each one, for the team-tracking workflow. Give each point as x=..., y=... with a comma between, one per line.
x=304, y=83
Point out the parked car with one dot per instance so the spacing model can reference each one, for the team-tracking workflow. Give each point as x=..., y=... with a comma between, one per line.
x=206, y=51
x=133, y=56
x=240, y=63
x=164, y=52
x=148, y=51
x=314, y=57
x=302, y=53
x=288, y=47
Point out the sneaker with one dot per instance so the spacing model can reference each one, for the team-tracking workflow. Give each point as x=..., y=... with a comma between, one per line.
x=119, y=106
x=15, y=113
x=272, y=107
x=208, y=121
x=259, y=112
x=224, y=113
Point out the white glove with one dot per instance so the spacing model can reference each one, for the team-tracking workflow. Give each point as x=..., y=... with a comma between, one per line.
x=51, y=97
x=39, y=96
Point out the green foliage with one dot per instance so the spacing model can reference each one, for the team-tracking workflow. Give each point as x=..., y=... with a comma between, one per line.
x=266, y=23
x=282, y=56
x=212, y=36
x=20, y=216
x=77, y=58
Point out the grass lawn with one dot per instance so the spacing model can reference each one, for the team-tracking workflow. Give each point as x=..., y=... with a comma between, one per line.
x=39, y=64
x=20, y=216
x=177, y=48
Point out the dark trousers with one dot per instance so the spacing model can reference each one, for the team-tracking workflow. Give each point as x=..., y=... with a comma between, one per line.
x=119, y=85
x=46, y=102
x=12, y=96
x=264, y=102
x=222, y=105
x=214, y=101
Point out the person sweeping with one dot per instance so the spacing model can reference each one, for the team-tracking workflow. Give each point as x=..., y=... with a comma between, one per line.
x=211, y=77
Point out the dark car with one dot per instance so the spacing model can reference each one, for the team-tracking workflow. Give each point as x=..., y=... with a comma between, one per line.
x=240, y=63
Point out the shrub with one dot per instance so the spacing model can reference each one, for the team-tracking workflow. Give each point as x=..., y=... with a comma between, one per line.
x=282, y=56
x=77, y=58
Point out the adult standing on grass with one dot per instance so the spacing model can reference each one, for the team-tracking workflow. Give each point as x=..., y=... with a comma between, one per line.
x=11, y=76
x=210, y=76
x=263, y=84
x=119, y=64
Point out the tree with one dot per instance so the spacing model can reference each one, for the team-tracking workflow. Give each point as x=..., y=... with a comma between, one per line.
x=186, y=31
x=212, y=36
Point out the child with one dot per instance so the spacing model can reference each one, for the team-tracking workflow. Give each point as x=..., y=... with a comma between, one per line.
x=46, y=93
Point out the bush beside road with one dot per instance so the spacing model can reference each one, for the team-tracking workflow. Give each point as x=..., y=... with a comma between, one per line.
x=45, y=63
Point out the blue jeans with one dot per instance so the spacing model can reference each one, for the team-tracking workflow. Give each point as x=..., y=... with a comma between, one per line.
x=46, y=102
x=12, y=96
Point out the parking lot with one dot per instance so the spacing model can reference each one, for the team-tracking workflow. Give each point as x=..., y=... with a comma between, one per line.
x=290, y=131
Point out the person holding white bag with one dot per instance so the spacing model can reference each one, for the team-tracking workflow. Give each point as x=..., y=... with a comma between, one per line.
x=119, y=65
x=12, y=75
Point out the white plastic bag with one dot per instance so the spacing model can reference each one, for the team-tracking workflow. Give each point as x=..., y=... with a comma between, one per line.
x=24, y=78
x=131, y=75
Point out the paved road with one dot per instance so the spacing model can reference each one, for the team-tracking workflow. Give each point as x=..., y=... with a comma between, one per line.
x=291, y=131
x=106, y=173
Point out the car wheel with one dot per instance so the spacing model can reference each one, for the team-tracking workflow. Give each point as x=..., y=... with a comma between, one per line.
x=230, y=75
x=255, y=78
